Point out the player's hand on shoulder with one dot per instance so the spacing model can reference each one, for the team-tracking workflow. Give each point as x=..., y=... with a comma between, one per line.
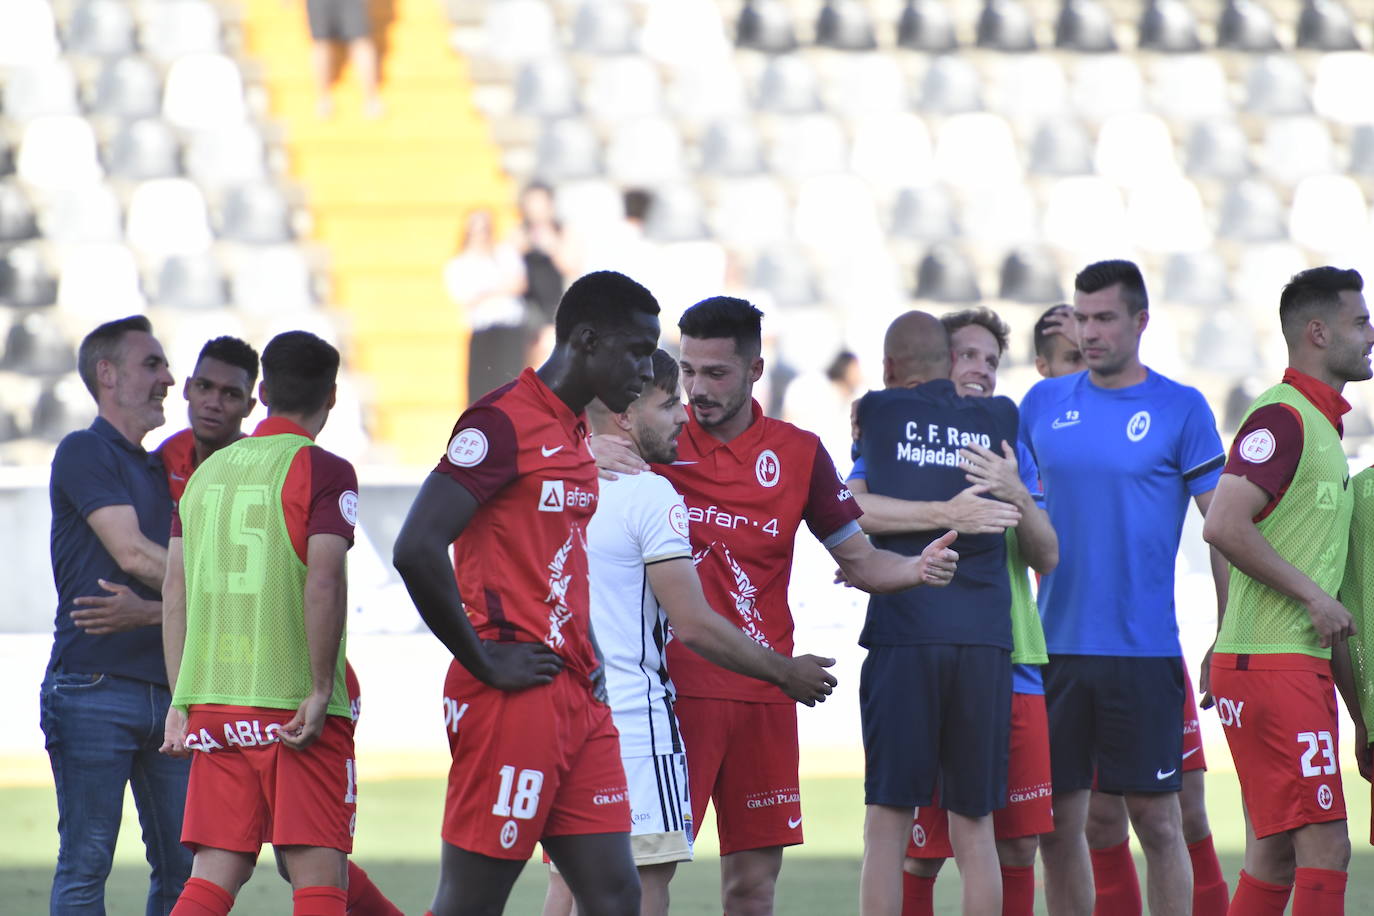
x=807, y=681
x=938, y=561
x=518, y=665
x=615, y=455
x=307, y=724
x=973, y=512
x=116, y=612
x=1331, y=620
x=998, y=473
x=174, y=734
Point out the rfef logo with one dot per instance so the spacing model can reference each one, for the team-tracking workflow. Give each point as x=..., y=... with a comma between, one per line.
x=468, y=447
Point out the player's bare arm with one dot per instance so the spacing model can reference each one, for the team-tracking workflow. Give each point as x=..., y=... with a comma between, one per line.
x=173, y=645
x=117, y=528
x=875, y=571
x=969, y=512
x=1221, y=581
x=1230, y=528
x=441, y=512
x=999, y=474
x=711, y=636
x=1343, y=673
x=326, y=610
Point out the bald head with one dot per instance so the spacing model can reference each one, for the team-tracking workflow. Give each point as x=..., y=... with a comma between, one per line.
x=915, y=350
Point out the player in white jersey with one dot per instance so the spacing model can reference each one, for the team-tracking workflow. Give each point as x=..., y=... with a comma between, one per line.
x=643, y=579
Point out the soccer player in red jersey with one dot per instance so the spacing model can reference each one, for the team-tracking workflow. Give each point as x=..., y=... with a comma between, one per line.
x=513, y=495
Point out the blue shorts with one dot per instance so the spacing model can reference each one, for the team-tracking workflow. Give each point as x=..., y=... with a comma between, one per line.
x=1119, y=716
x=936, y=714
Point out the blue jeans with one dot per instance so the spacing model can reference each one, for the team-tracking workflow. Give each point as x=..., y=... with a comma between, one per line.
x=102, y=732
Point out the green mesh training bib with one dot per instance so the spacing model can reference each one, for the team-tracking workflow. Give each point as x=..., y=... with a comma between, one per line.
x=1356, y=592
x=1027, y=635
x=1310, y=528
x=245, y=585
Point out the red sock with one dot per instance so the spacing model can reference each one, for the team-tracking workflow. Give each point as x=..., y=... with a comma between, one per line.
x=1319, y=892
x=918, y=895
x=1118, y=886
x=1210, y=895
x=364, y=899
x=319, y=901
x=1259, y=898
x=1018, y=890
x=203, y=898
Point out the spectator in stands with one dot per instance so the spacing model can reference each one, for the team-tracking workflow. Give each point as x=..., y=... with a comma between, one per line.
x=550, y=255
x=624, y=247
x=343, y=22
x=487, y=279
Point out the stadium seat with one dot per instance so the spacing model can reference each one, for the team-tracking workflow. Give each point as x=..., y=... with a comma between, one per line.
x=43, y=89
x=100, y=28
x=589, y=205
x=1225, y=343
x=18, y=221
x=1217, y=149
x=950, y=86
x=892, y=151
x=1341, y=92
x=684, y=33
x=1029, y=88
x=518, y=30
x=1196, y=278
x=1361, y=151
x=194, y=281
x=6, y=157
x=1061, y=147
x=976, y=150
x=1329, y=213
x=1107, y=84
x=946, y=275
x=677, y=214
x=1168, y=25
x=1086, y=214
x=58, y=151
x=1295, y=148
x=567, y=148
x=925, y=213
x=765, y=25
x=90, y=213
x=751, y=212
x=1030, y=274
x=28, y=35
x=1001, y=216
x=546, y=88
x=230, y=155
x=167, y=216
x=143, y=149
x=1245, y=25
x=645, y=151
x=1166, y=216
x=1190, y=87
x=1251, y=211
x=1134, y=149
x=705, y=91
x=1005, y=25
x=100, y=283
x=127, y=87
x=835, y=214
x=785, y=273
x=256, y=214
x=603, y=27
x=204, y=92
x=806, y=145
x=863, y=84
x=1262, y=271
x=63, y=406
x=271, y=279
x=174, y=29
x=788, y=85
x=37, y=345
x=1326, y=25
x=26, y=279
x=926, y=25
x=621, y=88
x=1084, y=25
x=1276, y=85
x=845, y=25
x=731, y=147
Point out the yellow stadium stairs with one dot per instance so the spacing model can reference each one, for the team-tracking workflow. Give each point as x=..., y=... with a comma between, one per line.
x=387, y=199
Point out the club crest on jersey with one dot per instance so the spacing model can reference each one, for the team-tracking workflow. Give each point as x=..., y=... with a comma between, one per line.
x=1325, y=797
x=510, y=832
x=468, y=447
x=1138, y=426
x=767, y=468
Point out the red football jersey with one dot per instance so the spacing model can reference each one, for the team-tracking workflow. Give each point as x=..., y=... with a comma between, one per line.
x=745, y=501
x=178, y=453
x=521, y=563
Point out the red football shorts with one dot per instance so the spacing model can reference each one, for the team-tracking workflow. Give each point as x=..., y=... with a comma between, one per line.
x=1193, y=757
x=247, y=788
x=1029, y=810
x=743, y=756
x=529, y=764
x=1279, y=714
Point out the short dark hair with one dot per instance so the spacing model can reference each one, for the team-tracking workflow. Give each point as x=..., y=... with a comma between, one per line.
x=638, y=202
x=725, y=316
x=104, y=343
x=665, y=371
x=982, y=317
x=605, y=299
x=1317, y=289
x=299, y=371
x=1042, y=335
x=233, y=352
x=1104, y=274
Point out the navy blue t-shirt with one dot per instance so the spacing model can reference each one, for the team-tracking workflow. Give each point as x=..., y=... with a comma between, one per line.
x=910, y=443
x=94, y=468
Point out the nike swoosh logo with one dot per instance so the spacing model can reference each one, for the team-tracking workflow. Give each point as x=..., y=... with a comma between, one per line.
x=678, y=463
x=550, y=452
x=793, y=822
x=177, y=477
x=1060, y=424
x=1160, y=774
x=1187, y=754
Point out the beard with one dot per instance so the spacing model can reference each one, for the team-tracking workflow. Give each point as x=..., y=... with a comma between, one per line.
x=729, y=409
x=657, y=449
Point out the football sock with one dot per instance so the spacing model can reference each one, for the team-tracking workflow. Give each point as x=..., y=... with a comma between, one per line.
x=1319, y=892
x=203, y=898
x=918, y=895
x=1018, y=890
x=1118, y=886
x=319, y=901
x=364, y=899
x=1210, y=895
x=1259, y=898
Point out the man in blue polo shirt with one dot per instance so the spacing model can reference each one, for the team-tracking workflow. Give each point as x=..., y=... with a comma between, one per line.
x=104, y=698
x=1121, y=449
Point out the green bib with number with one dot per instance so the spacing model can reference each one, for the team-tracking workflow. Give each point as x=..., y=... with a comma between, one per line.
x=245, y=584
